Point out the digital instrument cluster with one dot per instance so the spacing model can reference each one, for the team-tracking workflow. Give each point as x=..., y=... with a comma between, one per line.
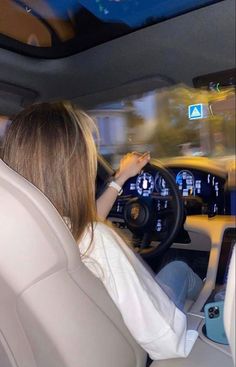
x=205, y=186
x=145, y=184
x=196, y=183
x=202, y=192
x=148, y=183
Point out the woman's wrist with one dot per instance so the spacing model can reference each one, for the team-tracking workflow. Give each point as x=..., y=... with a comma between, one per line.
x=115, y=186
x=120, y=179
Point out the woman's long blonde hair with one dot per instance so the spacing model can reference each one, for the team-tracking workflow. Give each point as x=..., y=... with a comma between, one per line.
x=52, y=146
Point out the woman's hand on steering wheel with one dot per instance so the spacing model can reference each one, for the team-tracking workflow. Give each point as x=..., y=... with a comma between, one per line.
x=130, y=165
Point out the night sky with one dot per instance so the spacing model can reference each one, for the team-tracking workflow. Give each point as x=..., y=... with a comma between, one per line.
x=134, y=13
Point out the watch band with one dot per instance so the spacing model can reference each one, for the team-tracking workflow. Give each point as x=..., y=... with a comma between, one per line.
x=115, y=186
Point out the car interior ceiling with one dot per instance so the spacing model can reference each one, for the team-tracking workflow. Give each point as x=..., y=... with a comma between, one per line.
x=168, y=54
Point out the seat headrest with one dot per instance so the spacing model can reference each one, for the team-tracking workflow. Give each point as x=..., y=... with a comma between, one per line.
x=29, y=221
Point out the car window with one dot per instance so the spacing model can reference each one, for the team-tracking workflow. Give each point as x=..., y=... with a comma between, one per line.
x=176, y=121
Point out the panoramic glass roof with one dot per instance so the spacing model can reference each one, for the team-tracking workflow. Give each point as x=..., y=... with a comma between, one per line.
x=58, y=28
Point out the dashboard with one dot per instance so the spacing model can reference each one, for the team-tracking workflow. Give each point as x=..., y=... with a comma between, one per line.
x=200, y=187
x=202, y=192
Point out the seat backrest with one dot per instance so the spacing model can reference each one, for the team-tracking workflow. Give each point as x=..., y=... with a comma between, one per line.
x=229, y=306
x=53, y=311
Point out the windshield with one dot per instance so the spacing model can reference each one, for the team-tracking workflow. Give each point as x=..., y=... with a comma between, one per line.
x=177, y=121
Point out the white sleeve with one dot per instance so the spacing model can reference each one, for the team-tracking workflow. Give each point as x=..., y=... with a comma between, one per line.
x=151, y=317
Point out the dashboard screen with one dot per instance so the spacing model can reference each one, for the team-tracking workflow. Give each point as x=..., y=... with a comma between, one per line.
x=206, y=186
x=202, y=192
x=147, y=184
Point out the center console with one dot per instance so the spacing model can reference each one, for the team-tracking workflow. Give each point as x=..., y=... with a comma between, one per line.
x=222, y=234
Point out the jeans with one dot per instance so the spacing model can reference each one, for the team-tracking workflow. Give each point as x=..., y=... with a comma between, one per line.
x=179, y=282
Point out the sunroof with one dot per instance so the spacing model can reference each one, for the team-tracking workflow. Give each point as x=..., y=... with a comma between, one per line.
x=58, y=28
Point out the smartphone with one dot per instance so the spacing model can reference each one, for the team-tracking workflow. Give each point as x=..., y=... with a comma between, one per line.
x=214, y=322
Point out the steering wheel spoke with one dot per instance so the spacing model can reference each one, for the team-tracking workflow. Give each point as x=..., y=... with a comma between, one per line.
x=165, y=212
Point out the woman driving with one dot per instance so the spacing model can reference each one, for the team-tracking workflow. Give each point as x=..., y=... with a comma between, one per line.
x=52, y=146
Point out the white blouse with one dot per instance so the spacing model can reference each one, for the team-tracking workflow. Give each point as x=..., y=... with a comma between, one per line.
x=151, y=317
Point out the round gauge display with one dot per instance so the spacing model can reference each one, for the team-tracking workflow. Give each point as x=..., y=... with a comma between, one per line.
x=160, y=184
x=145, y=184
x=186, y=183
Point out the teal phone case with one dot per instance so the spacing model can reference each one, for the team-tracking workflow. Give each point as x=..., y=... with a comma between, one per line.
x=214, y=322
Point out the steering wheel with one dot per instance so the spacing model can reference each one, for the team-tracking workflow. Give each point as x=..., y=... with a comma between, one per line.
x=151, y=208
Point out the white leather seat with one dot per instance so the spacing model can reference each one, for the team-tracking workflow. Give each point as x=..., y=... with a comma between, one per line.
x=229, y=306
x=53, y=311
